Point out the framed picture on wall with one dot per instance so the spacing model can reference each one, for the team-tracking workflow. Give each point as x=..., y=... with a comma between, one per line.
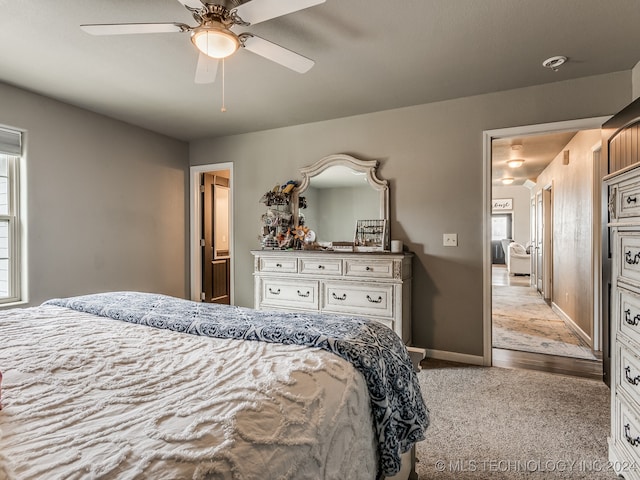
x=502, y=204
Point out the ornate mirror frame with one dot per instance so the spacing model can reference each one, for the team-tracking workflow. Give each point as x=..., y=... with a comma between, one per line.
x=367, y=167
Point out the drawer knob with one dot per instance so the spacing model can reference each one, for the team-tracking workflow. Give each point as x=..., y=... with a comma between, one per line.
x=368, y=269
x=304, y=295
x=631, y=260
x=374, y=301
x=279, y=265
x=343, y=297
x=321, y=267
x=274, y=292
x=631, y=200
x=632, y=380
x=631, y=321
x=633, y=441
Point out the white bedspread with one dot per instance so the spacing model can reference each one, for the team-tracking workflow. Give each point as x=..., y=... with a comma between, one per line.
x=88, y=397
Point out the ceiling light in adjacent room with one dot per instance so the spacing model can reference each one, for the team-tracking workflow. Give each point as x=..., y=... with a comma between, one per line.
x=215, y=41
x=515, y=162
x=507, y=180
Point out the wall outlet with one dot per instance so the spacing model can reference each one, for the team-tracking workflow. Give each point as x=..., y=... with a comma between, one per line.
x=450, y=239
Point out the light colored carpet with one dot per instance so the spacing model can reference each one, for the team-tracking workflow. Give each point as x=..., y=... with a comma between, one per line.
x=523, y=321
x=489, y=422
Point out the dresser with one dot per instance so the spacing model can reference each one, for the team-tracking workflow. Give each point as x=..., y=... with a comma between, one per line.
x=624, y=223
x=373, y=285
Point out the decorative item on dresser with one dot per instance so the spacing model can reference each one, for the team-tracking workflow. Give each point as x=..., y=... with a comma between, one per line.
x=358, y=278
x=624, y=222
x=372, y=285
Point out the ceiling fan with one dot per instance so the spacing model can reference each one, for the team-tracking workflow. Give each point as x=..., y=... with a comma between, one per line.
x=214, y=37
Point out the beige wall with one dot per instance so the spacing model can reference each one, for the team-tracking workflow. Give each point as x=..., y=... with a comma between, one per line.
x=106, y=201
x=572, y=194
x=433, y=156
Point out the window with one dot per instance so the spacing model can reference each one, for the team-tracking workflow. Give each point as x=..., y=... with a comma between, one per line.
x=10, y=266
x=500, y=226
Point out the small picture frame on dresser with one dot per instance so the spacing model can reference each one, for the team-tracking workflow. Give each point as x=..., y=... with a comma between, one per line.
x=371, y=236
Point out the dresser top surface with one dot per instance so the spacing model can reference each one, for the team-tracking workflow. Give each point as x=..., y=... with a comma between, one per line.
x=333, y=253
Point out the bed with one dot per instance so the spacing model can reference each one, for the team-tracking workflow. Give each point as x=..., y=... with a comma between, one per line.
x=137, y=385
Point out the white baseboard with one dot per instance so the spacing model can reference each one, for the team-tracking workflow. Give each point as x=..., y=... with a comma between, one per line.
x=570, y=323
x=455, y=357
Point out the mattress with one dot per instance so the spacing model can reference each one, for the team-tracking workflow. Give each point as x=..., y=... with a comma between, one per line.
x=89, y=397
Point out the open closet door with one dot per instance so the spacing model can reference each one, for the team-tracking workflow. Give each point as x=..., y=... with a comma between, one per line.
x=216, y=266
x=620, y=149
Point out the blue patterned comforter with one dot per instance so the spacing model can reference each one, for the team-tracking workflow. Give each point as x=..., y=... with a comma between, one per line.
x=399, y=413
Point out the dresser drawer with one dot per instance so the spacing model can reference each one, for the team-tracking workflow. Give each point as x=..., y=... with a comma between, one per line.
x=369, y=268
x=320, y=266
x=348, y=297
x=278, y=264
x=628, y=372
x=289, y=293
x=627, y=203
x=629, y=261
x=629, y=314
x=627, y=436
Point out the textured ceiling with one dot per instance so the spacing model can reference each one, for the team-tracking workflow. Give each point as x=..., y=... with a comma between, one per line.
x=370, y=55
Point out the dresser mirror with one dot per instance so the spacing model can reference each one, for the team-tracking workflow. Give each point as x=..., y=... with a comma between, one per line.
x=339, y=190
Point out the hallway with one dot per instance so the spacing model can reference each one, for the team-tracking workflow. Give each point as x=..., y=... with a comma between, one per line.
x=527, y=331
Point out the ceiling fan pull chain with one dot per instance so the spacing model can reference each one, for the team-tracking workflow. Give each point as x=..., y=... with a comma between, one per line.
x=223, y=109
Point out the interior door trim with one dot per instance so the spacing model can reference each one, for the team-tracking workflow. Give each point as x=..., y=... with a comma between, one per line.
x=195, y=229
x=487, y=137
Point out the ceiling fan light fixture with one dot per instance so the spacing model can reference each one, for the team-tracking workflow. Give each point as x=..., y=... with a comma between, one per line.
x=515, y=162
x=215, y=42
x=507, y=180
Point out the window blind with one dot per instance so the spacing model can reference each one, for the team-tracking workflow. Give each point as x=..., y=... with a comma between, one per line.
x=10, y=142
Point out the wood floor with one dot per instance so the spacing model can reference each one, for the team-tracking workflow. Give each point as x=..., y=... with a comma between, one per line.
x=538, y=361
x=576, y=367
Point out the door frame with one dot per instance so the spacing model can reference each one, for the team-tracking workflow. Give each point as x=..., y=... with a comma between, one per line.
x=487, y=137
x=598, y=173
x=195, y=227
x=547, y=242
x=539, y=245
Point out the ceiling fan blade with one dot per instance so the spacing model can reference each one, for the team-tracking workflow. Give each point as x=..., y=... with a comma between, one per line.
x=207, y=69
x=128, y=28
x=256, y=11
x=191, y=3
x=278, y=54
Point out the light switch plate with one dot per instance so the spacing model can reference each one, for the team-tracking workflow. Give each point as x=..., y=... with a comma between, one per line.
x=450, y=239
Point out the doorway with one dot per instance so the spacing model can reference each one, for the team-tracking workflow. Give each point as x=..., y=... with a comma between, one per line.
x=211, y=233
x=539, y=238
x=216, y=259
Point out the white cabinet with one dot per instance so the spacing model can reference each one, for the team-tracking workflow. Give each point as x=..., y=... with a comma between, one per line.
x=624, y=221
x=372, y=285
